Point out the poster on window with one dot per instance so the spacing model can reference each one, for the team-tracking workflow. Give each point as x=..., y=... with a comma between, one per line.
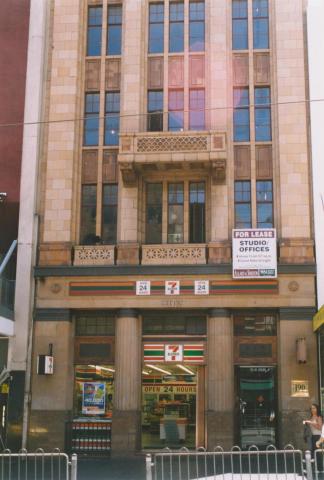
x=254, y=253
x=93, y=398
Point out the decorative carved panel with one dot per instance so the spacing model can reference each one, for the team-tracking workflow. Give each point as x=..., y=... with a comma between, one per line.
x=263, y=159
x=92, y=75
x=242, y=162
x=94, y=255
x=109, y=166
x=112, y=79
x=175, y=71
x=155, y=72
x=173, y=254
x=262, y=68
x=176, y=143
x=89, y=166
x=197, y=71
x=241, y=69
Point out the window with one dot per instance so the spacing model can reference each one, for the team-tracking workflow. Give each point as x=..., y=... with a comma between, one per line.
x=197, y=26
x=197, y=212
x=168, y=323
x=114, y=30
x=197, y=109
x=260, y=24
x=264, y=198
x=91, y=121
x=255, y=326
x=112, y=109
x=175, y=212
x=241, y=115
x=155, y=111
x=109, y=214
x=183, y=219
x=156, y=28
x=239, y=25
x=176, y=110
x=154, y=195
x=94, y=31
x=88, y=214
x=90, y=324
x=176, y=25
x=242, y=199
x=262, y=114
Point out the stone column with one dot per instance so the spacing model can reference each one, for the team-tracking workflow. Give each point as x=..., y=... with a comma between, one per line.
x=295, y=323
x=220, y=380
x=127, y=401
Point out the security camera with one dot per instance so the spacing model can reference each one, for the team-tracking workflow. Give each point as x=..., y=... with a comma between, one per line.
x=3, y=195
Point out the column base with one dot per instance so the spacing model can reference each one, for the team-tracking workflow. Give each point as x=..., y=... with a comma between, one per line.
x=220, y=429
x=126, y=431
x=47, y=430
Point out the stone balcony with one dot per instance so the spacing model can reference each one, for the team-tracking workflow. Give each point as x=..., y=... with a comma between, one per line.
x=154, y=151
x=162, y=254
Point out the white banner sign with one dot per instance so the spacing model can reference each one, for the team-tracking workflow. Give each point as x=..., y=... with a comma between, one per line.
x=254, y=253
x=143, y=287
x=172, y=287
x=173, y=353
x=201, y=287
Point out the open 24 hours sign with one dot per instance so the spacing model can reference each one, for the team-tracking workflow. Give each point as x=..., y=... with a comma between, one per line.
x=254, y=253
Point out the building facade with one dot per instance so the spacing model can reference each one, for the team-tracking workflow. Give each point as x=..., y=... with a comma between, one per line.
x=167, y=125
x=315, y=18
x=14, y=29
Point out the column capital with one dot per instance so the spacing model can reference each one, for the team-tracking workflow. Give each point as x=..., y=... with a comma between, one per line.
x=127, y=312
x=219, y=312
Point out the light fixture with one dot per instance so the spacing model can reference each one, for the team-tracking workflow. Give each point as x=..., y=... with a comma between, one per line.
x=301, y=350
x=144, y=372
x=185, y=369
x=158, y=369
x=3, y=196
x=97, y=367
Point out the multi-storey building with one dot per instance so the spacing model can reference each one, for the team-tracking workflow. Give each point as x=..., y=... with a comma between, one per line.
x=315, y=19
x=14, y=27
x=167, y=124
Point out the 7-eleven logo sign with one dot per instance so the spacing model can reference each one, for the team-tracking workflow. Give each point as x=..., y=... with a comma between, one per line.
x=173, y=353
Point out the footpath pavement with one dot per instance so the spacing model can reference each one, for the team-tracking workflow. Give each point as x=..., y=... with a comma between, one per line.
x=114, y=468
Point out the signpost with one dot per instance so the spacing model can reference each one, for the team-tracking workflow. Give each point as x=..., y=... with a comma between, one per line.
x=254, y=253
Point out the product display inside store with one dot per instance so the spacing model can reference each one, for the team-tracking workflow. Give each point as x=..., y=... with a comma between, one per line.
x=93, y=402
x=169, y=394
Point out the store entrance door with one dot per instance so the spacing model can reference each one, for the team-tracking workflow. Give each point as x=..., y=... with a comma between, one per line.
x=256, y=393
x=171, y=405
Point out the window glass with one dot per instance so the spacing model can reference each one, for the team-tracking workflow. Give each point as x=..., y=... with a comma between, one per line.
x=153, y=229
x=114, y=31
x=109, y=214
x=88, y=215
x=242, y=199
x=255, y=325
x=175, y=212
x=197, y=109
x=241, y=115
x=260, y=24
x=155, y=111
x=94, y=31
x=156, y=28
x=112, y=109
x=239, y=25
x=93, y=325
x=176, y=27
x=262, y=114
x=264, y=199
x=91, y=121
x=169, y=324
x=197, y=212
x=197, y=26
x=176, y=102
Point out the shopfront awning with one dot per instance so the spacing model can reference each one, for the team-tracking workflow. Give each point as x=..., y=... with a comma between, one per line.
x=318, y=319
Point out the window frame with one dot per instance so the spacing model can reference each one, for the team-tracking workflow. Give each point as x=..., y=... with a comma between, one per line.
x=113, y=26
x=112, y=206
x=239, y=20
x=239, y=109
x=91, y=115
x=266, y=136
x=150, y=26
x=259, y=20
x=179, y=23
x=111, y=114
x=259, y=203
x=193, y=22
x=154, y=115
x=93, y=28
x=242, y=202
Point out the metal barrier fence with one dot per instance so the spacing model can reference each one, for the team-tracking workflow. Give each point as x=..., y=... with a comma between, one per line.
x=318, y=464
x=37, y=466
x=286, y=464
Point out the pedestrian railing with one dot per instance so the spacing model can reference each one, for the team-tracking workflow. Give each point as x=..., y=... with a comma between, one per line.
x=318, y=464
x=37, y=466
x=236, y=464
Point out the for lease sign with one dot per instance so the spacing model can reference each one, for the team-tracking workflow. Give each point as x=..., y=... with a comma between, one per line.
x=254, y=253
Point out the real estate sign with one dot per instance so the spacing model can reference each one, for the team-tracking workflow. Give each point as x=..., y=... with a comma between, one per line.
x=254, y=253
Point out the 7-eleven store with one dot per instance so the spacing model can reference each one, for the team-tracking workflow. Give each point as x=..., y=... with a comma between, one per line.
x=173, y=394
